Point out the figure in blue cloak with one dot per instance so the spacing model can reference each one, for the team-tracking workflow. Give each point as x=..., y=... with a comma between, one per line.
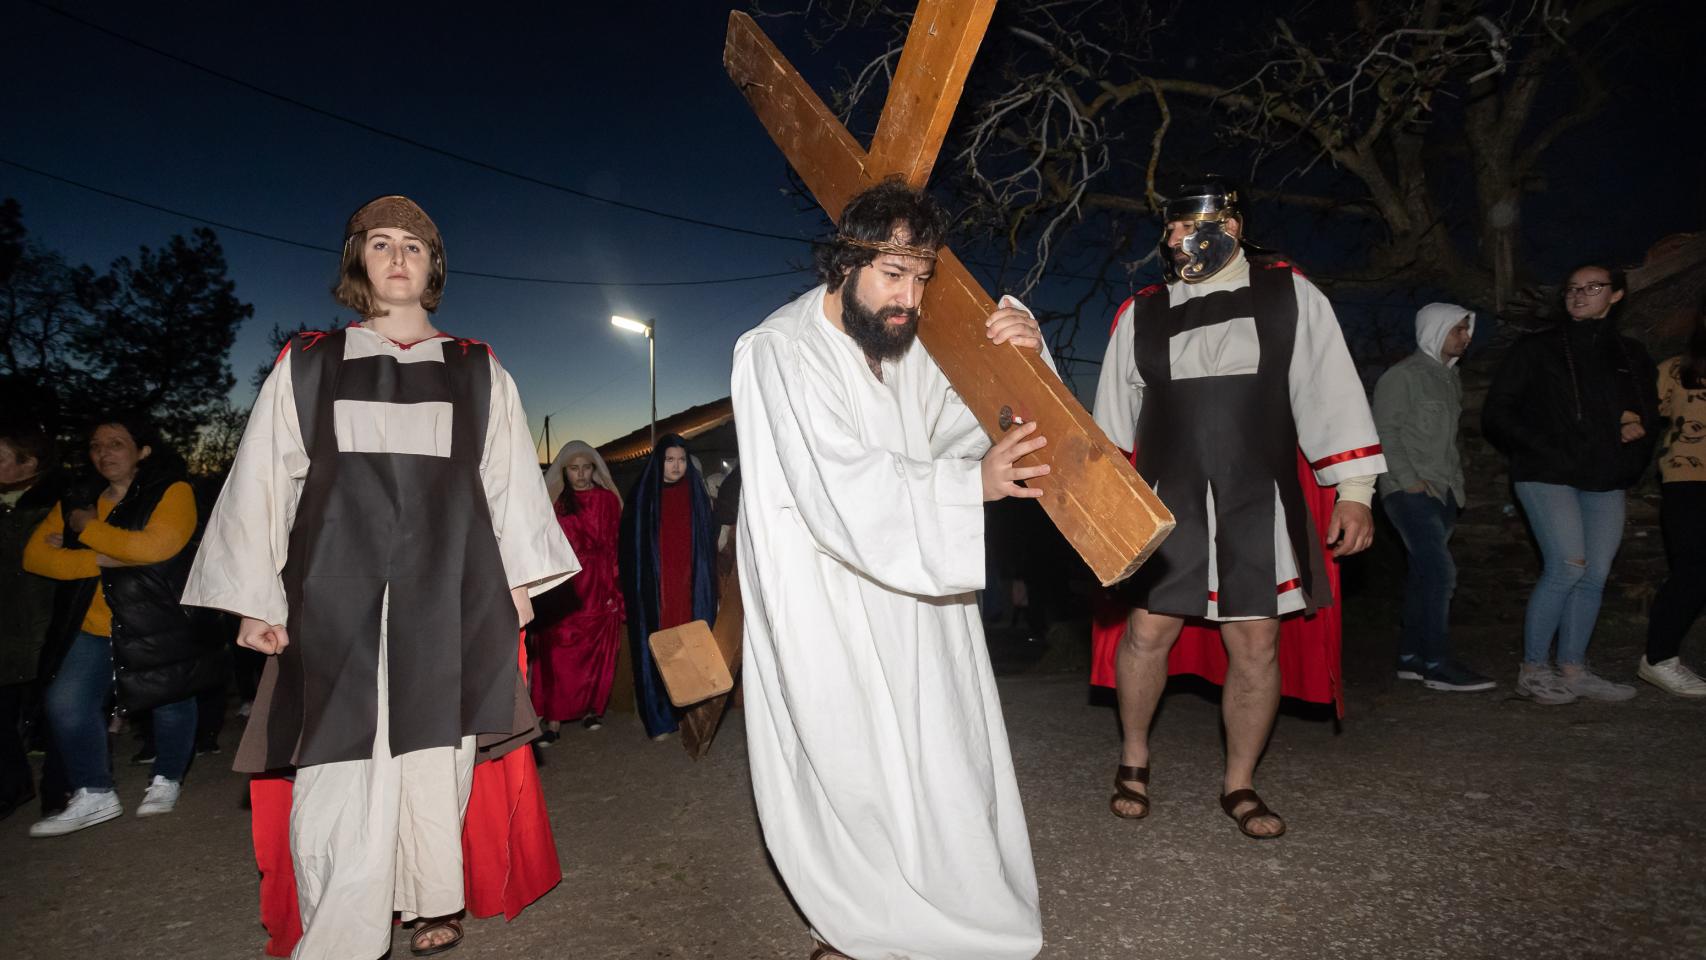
x=668, y=561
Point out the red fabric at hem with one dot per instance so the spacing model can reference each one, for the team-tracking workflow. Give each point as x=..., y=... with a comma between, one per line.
x=509, y=856
x=1309, y=645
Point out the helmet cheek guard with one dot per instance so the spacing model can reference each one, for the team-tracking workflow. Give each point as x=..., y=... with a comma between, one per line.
x=1209, y=248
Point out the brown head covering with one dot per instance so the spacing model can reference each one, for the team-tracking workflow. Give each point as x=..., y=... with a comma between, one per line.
x=395, y=211
x=352, y=289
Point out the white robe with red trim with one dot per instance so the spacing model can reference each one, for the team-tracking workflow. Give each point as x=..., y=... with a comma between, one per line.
x=1335, y=428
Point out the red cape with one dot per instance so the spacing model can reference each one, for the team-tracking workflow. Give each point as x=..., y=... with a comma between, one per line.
x=509, y=858
x=1308, y=645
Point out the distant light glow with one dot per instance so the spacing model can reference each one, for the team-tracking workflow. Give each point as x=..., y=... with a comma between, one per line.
x=632, y=326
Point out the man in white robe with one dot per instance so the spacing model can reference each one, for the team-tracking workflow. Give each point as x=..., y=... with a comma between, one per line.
x=879, y=759
x=1215, y=381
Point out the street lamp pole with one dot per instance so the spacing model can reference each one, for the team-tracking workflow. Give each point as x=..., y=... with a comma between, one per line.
x=652, y=368
x=647, y=329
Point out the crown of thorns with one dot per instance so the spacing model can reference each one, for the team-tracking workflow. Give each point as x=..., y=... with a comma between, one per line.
x=887, y=246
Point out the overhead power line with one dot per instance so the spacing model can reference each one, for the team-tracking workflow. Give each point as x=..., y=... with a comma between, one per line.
x=275, y=238
x=451, y=154
x=410, y=141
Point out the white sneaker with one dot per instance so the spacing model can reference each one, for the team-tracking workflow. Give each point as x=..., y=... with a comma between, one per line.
x=1672, y=677
x=161, y=797
x=85, y=810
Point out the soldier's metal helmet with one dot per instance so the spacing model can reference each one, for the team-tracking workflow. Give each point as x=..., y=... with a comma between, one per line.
x=1206, y=205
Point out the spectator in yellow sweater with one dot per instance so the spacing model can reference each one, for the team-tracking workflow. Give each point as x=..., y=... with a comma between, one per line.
x=122, y=543
x=1682, y=516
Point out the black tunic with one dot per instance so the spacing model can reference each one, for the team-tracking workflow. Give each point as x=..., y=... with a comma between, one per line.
x=417, y=525
x=1232, y=434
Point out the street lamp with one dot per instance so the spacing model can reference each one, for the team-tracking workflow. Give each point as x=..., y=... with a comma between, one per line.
x=644, y=329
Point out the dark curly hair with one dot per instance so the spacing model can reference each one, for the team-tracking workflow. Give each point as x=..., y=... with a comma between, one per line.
x=872, y=216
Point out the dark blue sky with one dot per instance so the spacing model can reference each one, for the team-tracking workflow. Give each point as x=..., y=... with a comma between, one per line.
x=611, y=99
x=628, y=101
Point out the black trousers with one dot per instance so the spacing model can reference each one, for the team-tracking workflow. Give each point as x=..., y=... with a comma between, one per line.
x=1682, y=518
x=16, y=780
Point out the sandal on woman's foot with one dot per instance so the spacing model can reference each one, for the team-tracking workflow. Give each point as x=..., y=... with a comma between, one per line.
x=429, y=927
x=1230, y=802
x=1125, y=794
x=826, y=952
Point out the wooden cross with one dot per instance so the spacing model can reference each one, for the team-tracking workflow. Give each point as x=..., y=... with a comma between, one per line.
x=1108, y=513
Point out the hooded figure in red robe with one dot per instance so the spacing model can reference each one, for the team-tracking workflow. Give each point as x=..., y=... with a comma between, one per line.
x=576, y=631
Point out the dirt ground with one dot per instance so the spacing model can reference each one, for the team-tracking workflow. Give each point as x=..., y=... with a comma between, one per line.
x=1422, y=825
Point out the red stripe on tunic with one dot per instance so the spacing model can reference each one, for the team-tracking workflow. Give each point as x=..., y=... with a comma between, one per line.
x=1284, y=588
x=1356, y=454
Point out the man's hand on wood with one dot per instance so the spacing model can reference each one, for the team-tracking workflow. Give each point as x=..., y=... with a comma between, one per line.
x=1012, y=325
x=1001, y=476
x=261, y=636
x=1351, y=529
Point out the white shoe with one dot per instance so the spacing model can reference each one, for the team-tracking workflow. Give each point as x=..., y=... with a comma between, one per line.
x=161, y=797
x=1672, y=677
x=85, y=810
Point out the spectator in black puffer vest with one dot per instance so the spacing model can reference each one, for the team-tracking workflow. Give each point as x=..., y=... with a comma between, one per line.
x=122, y=544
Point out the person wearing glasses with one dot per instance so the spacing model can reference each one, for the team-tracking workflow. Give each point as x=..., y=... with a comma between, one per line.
x=1575, y=409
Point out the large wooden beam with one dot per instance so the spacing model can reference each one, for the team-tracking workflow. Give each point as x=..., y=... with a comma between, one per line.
x=1098, y=501
x=940, y=47
x=821, y=150
x=699, y=722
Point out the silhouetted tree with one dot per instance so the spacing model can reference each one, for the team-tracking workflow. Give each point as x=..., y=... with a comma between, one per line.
x=153, y=332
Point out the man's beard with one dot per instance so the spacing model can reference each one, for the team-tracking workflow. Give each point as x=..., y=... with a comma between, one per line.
x=872, y=331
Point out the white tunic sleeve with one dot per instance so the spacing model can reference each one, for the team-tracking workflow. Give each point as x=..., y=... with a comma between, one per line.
x=247, y=539
x=914, y=526
x=1119, y=390
x=1334, y=425
x=536, y=554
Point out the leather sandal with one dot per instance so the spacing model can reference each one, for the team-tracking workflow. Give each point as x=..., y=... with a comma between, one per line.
x=1127, y=794
x=451, y=924
x=1230, y=803
x=826, y=952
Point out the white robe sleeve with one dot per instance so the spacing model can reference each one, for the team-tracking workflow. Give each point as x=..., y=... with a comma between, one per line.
x=914, y=526
x=237, y=567
x=1119, y=390
x=536, y=554
x=1334, y=425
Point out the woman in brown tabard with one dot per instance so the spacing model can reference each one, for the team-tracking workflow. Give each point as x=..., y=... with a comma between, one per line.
x=382, y=529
